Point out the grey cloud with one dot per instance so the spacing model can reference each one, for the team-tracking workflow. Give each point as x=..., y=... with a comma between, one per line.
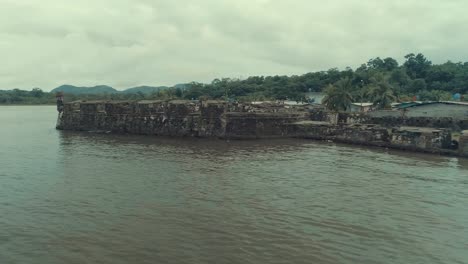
x=156, y=42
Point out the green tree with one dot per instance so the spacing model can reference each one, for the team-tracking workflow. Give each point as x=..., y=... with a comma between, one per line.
x=381, y=92
x=434, y=95
x=338, y=97
x=417, y=66
x=37, y=92
x=390, y=64
x=416, y=86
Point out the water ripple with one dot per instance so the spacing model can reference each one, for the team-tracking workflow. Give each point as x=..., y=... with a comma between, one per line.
x=86, y=198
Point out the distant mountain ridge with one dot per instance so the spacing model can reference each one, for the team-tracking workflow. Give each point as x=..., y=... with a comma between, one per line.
x=70, y=89
x=103, y=89
x=144, y=89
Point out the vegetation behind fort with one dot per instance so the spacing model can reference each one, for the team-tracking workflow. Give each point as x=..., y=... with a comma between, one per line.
x=381, y=81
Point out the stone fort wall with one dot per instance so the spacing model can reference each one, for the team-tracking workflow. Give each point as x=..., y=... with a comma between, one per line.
x=240, y=121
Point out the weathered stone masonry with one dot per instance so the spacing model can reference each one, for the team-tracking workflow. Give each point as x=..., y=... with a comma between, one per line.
x=236, y=121
x=177, y=118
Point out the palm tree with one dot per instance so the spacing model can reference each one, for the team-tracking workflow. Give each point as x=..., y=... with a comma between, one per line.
x=338, y=96
x=381, y=92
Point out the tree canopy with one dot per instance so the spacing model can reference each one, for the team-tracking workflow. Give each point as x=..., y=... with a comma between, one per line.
x=416, y=77
x=338, y=96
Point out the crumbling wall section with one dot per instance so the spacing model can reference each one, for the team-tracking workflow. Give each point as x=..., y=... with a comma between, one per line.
x=355, y=134
x=421, y=138
x=408, y=138
x=387, y=120
x=463, y=144
x=244, y=125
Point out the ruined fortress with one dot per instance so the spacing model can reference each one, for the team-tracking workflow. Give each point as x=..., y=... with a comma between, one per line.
x=225, y=120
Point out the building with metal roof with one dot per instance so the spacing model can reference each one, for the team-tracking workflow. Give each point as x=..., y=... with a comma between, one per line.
x=457, y=110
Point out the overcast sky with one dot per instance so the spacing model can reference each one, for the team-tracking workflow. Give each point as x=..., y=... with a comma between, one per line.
x=124, y=43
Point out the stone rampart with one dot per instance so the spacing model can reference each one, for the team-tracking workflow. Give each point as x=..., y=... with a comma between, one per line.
x=179, y=118
x=407, y=138
x=236, y=121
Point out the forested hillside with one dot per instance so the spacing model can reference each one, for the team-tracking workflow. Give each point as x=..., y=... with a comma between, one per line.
x=417, y=78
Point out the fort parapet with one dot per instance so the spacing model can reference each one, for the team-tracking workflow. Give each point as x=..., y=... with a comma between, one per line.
x=179, y=118
x=225, y=120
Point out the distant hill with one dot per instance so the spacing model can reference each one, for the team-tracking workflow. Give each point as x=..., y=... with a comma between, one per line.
x=144, y=89
x=182, y=86
x=102, y=89
x=70, y=89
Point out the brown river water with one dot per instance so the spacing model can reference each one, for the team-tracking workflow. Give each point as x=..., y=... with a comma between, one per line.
x=68, y=197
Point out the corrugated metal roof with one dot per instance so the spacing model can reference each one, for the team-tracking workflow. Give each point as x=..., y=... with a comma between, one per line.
x=454, y=102
x=363, y=104
x=415, y=104
x=407, y=104
x=420, y=129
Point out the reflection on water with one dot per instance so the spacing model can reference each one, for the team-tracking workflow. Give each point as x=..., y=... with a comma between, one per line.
x=215, y=147
x=69, y=197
